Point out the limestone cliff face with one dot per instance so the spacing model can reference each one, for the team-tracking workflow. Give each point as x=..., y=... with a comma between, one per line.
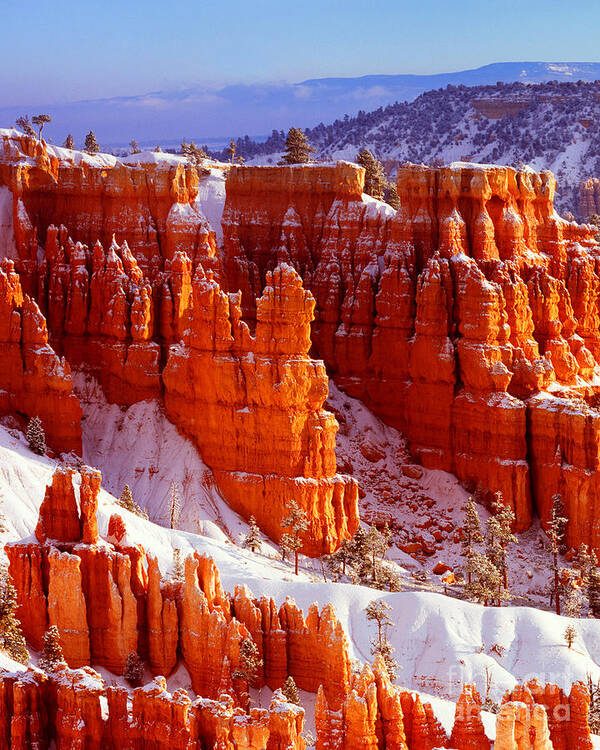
x=522, y=727
x=567, y=716
x=150, y=206
x=254, y=406
x=34, y=381
x=70, y=580
x=468, y=319
x=101, y=313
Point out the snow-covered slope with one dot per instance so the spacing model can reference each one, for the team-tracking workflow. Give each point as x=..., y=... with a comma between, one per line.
x=138, y=446
x=548, y=126
x=440, y=642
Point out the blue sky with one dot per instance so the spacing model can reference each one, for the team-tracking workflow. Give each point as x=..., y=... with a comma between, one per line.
x=65, y=50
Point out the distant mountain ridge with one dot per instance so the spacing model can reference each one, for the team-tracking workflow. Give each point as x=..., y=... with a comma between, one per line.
x=201, y=113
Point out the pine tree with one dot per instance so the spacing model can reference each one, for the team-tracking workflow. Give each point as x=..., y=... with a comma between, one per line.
x=250, y=666
x=178, y=565
x=556, y=534
x=36, y=436
x=585, y=561
x=570, y=594
x=69, y=142
x=375, y=181
x=505, y=519
x=297, y=148
x=593, y=592
x=39, y=121
x=91, y=144
x=135, y=149
x=24, y=123
x=377, y=545
x=484, y=579
x=134, y=669
x=290, y=690
x=284, y=546
x=359, y=546
x=391, y=196
x=174, y=505
x=570, y=634
x=126, y=501
x=52, y=653
x=594, y=712
x=471, y=533
x=11, y=635
x=339, y=560
x=231, y=150
x=378, y=612
x=296, y=523
x=252, y=540
x=195, y=154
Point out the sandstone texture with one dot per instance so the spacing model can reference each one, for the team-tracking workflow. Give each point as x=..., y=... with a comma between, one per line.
x=74, y=709
x=254, y=406
x=150, y=325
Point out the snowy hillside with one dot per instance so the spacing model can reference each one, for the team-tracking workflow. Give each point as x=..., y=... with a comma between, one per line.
x=548, y=126
x=440, y=642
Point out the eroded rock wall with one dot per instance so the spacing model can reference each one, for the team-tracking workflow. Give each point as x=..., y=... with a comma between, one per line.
x=65, y=710
x=151, y=206
x=108, y=600
x=34, y=381
x=254, y=406
x=468, y=319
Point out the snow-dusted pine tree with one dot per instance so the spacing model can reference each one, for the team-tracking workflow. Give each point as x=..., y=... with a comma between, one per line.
x=252, y=540
x=134, y=669
x=11, y=635
x=250, y=667
x=126, y=501
x=296, y=523
x=52, y=654
x=297, y=148
x=471, y=534
x=378, y=612
x=375, y=181
x=36, y=436
x=174, y=505
x=178, y=565
x=91, y=144
x=290, y=690
x=39, y=121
